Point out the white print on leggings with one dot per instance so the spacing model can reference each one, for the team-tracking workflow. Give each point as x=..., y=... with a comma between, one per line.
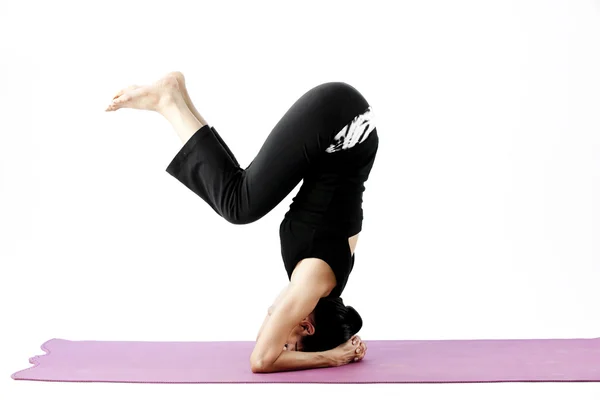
x=356, y=131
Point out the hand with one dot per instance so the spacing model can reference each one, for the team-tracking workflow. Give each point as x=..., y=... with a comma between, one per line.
x=353, y=350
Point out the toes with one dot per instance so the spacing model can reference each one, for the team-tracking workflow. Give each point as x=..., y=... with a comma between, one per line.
x=122, y=99
x=120, y=92
x=115, y=105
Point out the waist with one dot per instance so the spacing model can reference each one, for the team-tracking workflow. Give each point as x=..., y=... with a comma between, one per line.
x=347, y=225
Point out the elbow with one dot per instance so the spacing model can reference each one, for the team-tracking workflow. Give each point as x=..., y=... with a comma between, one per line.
x=262, y=363
x=258, y=366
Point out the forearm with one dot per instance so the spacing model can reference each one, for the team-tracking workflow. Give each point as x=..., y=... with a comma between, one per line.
x=296, y=360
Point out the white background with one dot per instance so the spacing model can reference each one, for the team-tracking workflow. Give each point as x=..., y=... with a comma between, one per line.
x=481, y=212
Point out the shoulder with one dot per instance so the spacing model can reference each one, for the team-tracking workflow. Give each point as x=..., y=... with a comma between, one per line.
x=315, y=275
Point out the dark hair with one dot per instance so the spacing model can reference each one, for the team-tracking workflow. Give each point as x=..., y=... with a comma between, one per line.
x=334, y=324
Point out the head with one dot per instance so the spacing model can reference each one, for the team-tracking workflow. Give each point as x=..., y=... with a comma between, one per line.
x=330, y=324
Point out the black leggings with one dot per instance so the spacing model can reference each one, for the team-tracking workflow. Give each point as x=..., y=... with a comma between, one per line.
x=207, y=167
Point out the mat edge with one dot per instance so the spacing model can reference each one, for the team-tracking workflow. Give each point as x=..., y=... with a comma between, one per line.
x=35, y=359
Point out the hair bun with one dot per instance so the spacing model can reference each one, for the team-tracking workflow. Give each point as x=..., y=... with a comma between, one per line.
x=353, y=318
x=335, y=323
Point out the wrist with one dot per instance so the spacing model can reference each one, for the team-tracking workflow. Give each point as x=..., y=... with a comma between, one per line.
x=331, y=358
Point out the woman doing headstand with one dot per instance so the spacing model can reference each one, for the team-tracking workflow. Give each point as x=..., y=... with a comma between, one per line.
x=327, y=139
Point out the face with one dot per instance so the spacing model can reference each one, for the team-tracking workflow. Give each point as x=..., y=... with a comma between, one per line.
x=294, y=340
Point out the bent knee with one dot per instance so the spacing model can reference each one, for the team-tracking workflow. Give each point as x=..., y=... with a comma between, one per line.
x=239, y=218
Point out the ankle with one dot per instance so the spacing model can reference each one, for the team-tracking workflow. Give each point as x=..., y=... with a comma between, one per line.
x=170, y=103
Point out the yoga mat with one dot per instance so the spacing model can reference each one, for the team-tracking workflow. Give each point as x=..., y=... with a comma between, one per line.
x=387, y=361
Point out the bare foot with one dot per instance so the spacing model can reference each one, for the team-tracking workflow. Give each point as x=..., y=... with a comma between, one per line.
x=148, y=97
x=188, y=101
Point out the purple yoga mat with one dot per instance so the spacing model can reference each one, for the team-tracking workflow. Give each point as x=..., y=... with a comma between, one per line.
x=387, y=361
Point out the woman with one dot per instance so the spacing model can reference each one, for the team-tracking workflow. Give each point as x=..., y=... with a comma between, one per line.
x=327, y=138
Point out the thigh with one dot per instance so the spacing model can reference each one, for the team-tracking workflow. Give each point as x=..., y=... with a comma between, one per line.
x=299, y=140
